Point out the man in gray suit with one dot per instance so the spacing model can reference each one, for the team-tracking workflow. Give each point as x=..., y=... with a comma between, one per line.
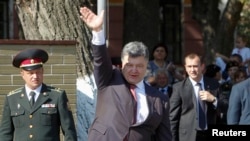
x=36, y=111
x=193, y=102
x=239, y=104
x=141, y=114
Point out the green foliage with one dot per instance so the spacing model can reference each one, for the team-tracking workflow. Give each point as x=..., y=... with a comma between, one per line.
x=243, y=26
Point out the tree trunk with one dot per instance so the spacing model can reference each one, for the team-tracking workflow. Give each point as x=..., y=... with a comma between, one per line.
x=218, y=34
x=224, y=41
x=59, y=20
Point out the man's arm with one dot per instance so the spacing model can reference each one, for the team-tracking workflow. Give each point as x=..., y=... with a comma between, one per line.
x=234, y=106
x=66, y=118
x=6, y=126
x=163, y=132
x=175, y=112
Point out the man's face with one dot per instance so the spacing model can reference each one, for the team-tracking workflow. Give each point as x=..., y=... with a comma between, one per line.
x=232, y=70
x=134, y=68
x=33, y=78
x=159, y=53
x=162, y=80
x=194, y=68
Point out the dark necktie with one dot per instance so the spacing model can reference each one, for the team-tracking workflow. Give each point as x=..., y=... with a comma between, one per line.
x=163, y=90
x=132, y=89
x=201, y=110
x=32, y=99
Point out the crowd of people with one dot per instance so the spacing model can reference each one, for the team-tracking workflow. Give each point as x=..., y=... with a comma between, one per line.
x=145, y=99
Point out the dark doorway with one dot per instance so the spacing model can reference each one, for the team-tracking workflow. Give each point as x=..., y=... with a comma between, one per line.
x=171, y=28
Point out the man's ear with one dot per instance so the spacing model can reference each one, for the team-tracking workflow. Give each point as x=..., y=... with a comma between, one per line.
x=203, y=67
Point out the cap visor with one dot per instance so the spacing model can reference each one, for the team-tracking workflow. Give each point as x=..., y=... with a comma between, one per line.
x=28, y=68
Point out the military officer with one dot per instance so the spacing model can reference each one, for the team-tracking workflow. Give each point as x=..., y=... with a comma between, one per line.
x=39, y=116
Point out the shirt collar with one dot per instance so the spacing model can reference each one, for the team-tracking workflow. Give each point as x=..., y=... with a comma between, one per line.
x=37, y=90
x=140, y=85
x=194, y=82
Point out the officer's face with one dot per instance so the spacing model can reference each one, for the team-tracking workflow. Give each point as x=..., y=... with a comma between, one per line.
x=33, y=78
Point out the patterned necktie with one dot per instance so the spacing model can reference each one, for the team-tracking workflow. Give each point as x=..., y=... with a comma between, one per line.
x=201, y=110
x=132, y=90
x=32, y=99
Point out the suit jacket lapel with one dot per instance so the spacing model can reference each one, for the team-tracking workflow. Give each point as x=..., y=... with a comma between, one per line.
x=190, y=90
x=150, y=100
x=126, y=99
x=206, y=85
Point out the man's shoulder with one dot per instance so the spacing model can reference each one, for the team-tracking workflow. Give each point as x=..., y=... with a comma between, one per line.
x=182, y=82
x=212, y=82
x=53, y=89
x=16, y=91
x=242, y=84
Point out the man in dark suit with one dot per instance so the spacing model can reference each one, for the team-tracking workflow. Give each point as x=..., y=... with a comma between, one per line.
x=239, y=104
x=36, y=111
x=193, y=102
x=141, y=114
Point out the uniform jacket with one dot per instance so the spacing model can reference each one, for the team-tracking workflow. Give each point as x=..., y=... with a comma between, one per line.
x=42, y=122
x=239, y=104
x=183, y=113
x=114, y=109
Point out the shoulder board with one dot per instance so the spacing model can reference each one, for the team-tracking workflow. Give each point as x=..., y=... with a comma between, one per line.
x=55, y=89
x=15, y=91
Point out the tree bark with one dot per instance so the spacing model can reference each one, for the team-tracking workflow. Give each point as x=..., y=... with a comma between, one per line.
x=218, y=33
x=57, y=20
x=224, y=41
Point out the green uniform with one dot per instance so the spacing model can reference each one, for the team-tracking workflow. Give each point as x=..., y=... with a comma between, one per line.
x=42, y=122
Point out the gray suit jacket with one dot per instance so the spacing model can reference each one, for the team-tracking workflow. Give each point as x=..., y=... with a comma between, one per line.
x=239, y=104
x=183, y=115
x=42, y=122
x=114, y=109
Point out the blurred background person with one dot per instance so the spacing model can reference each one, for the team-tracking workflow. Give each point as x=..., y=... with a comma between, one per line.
x=162, y=82
x=225, y=89
x=213, y=71
x=239, y=76
x=159, y=61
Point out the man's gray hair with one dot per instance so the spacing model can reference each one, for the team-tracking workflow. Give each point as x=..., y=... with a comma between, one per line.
x=135, y=49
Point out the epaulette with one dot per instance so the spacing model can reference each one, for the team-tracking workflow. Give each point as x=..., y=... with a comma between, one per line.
x=56, y=89
x=14, y=91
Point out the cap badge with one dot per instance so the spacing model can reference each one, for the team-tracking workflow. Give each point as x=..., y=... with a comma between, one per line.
x=32, y=61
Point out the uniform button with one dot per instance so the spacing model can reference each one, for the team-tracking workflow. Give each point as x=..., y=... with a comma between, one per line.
x=31, y=136
x=31, y=126
x=31, y=116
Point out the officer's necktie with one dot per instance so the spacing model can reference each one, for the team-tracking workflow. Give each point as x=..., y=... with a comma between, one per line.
x=201, y=110
x=32, y=99
x=132, y=89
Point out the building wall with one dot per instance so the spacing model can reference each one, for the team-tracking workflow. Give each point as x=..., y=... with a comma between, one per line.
x=60, y=70
x=191, y=30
